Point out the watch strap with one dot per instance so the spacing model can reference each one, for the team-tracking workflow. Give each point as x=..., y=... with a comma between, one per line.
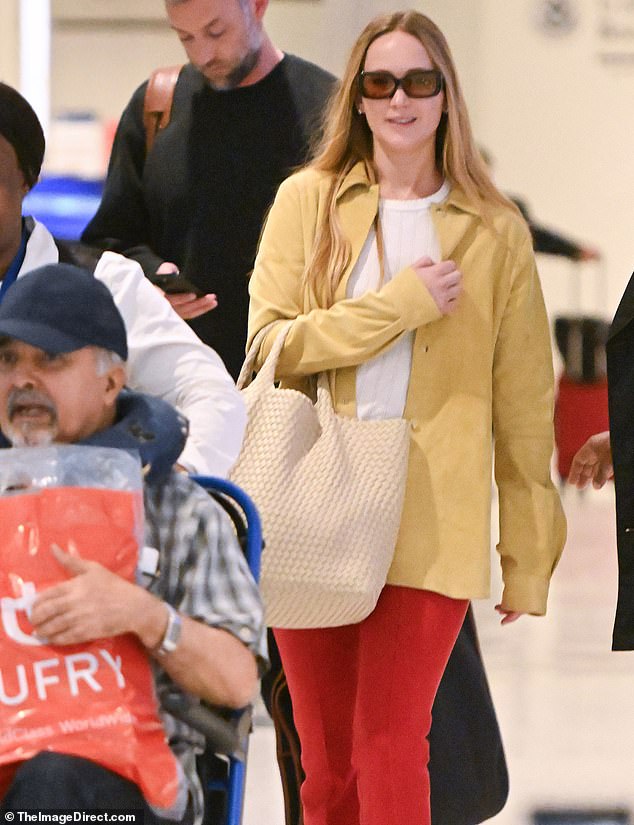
x=172, y=634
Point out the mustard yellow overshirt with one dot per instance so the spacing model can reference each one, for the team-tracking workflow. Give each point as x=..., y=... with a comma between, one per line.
x=484, y=371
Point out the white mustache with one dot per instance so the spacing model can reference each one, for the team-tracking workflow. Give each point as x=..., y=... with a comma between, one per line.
x=30, y=433
x=24, y=398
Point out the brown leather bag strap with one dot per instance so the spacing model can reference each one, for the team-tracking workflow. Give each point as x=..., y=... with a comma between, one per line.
x=157, y=105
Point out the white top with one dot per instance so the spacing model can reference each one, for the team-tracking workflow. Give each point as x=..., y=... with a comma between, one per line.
x=408, y=234
x=166, y=358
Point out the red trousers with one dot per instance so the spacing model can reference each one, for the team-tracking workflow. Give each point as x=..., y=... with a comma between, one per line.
x=362, y=698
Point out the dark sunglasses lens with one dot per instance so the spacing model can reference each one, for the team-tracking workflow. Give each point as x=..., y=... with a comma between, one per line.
x=377, y=85
x=421, y=84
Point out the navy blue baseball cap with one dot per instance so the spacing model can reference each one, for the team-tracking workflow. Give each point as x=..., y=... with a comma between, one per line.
x=62, y=308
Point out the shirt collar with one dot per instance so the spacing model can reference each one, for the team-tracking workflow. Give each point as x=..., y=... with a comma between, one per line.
x=15, y=265
x=358, y=176
x=40, y=246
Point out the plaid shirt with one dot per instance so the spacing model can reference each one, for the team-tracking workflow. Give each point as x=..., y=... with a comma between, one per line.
x=203, y=574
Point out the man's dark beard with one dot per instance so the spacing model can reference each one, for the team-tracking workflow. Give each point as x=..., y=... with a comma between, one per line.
x=241, y=71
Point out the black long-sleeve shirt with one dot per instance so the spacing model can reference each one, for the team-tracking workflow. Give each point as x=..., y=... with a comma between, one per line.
x=201, y=196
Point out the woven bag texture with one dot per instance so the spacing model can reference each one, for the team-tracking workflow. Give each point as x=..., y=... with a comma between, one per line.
x=330, y=493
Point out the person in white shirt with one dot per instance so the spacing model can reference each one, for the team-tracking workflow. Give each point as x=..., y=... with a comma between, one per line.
x=166, y=358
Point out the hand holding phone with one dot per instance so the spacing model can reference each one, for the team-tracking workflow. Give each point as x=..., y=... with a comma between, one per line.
x=174, y=282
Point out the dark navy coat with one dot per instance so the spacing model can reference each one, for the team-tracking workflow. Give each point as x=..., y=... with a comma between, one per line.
x=620, y=360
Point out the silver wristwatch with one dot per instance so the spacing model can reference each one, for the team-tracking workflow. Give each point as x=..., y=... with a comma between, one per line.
x=172, y=634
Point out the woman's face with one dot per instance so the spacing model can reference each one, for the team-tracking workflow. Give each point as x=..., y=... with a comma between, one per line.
x=401, y=125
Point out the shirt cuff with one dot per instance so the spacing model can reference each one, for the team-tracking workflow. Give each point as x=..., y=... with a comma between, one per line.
x=526, y=594
x=411, y=299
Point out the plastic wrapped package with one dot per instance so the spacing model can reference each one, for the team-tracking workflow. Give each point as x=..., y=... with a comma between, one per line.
x=95, y=700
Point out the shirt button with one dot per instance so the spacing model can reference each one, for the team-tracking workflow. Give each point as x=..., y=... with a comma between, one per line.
x=244, y=633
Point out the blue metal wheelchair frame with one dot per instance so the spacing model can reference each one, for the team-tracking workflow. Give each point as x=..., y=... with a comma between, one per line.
x=235, y=784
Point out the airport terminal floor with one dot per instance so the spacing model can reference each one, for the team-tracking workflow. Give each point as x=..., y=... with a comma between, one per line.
x=564, y=700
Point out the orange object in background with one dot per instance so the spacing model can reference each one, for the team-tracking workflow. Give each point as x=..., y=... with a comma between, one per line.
x=94, y=700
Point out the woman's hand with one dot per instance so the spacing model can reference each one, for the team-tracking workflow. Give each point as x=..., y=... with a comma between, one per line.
x=592, y=463
x=443, y=280
x=508, y=616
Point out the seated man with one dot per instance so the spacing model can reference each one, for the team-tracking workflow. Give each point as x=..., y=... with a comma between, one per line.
x=165, y=357
x=62, y=372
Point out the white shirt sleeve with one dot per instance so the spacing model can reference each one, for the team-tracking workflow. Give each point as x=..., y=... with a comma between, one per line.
x=167, y=359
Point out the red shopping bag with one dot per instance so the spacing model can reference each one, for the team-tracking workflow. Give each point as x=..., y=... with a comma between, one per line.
x=92, y=700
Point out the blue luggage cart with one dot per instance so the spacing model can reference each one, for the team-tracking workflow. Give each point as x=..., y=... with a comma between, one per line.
x=223, y=765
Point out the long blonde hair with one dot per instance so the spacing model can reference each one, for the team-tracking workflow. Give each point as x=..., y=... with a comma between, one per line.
x=347, y=139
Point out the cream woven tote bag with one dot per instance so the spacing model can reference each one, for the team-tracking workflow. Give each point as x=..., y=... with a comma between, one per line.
x=330, y=493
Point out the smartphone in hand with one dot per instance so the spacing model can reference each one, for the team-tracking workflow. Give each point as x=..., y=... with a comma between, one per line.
x=174, y=282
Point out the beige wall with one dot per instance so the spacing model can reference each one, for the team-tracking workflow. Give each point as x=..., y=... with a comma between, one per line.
x=321, y=30
x=103, y=50
x=9, y=54
x=559, y=121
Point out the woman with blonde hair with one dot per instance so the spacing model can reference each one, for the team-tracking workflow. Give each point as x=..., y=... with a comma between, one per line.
x=411, y=280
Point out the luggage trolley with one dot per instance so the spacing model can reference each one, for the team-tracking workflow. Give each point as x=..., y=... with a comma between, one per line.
x=222, y=766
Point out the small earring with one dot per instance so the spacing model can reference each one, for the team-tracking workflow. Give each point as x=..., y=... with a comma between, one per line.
x=359, y=110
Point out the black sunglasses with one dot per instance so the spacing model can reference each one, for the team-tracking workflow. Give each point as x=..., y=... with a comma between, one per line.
x=416, y=83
